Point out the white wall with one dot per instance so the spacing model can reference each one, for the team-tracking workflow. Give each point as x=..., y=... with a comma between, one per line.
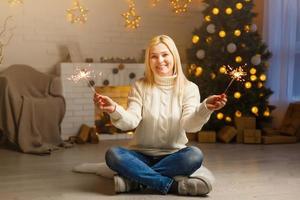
x=42, y=30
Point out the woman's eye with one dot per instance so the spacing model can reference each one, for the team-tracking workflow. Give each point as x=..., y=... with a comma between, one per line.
x=164, y=55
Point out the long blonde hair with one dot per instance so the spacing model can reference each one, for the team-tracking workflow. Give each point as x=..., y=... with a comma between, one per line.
x=149, y=74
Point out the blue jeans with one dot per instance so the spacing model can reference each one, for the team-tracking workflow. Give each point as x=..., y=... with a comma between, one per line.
x=155, y=172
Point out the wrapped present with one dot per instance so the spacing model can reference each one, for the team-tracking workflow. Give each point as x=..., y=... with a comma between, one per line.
x=278, y=139
x=240, y=136
x=207, y=136
x=83, y=134
x=227, y=133
x=192, y=136
x=252, y=136
x=242, y=123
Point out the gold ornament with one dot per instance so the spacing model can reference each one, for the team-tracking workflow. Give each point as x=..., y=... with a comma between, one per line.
x=222, y=34
x=220, y=116
x=252, y=71
x=228, y=11
x=180, y=6
x=263, y=77
x=223, y=70
x=248, y=85
x=228, y=119
x=77, y=14
x=132, y=20
x=247, y=28
x=207, y=18
x=237, y=95
x=198, y=71
x=253, y=78
x=212, y=76
x=260, y=84
x=215, y=11
x=254, y=110
x=238, y=113
x=238, y=59
x=239, y=6
x=195, y=39
x=209, y=40
x=193, y=66
x=267, y=113
x=237, y=32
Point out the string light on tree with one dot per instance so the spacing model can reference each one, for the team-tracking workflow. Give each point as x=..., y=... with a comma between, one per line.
x=180, y=6
x=248, y=85
x=239, y=6
x=237, y=32
x=228, y=11
x=263, y=77
x=220, y=116
x=237, y=95
x=228, y=119
x=238, y=113
x=252, y=70
x=198, y=71
x=77, y=14
x=132, y=20
x=215, y=11
x=254, y=110
x=222, y=34
x=195, y=39
x=253, y=78
x=238, y=59
x=207, y=18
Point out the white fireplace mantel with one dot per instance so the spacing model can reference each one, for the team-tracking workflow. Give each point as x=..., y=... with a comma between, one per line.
x=79, y=98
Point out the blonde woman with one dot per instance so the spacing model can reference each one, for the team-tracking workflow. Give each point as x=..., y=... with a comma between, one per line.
x=162, y=107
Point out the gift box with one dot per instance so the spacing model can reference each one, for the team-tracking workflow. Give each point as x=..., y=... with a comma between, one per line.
x=207, y=137
x=278, y=139
x=227, y=133
x=252, y=136
x=242, y=123
x=192, y=136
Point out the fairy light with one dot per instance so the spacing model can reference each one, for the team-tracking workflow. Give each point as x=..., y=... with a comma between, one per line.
x=198, y=71
x=228, y=11
x=132, y=20
x=238, y=113
x=154, y=2
x=235, y=74
x=15, y=2
x=215, y=11
x=220, y=116
x=180, y=6
x=207, y=18
x=77, y=14
x=237, y=32
x=195, y=39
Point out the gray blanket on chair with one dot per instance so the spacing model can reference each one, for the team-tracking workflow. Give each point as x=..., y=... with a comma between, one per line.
x=30, y=110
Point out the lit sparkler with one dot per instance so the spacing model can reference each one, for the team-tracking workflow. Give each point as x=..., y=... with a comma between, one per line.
x=85, y=74
x=235, y=74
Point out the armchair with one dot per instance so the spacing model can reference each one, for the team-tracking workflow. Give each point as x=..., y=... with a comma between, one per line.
x=31, y=110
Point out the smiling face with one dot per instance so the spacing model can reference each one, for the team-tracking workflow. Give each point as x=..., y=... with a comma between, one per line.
x=161, y=60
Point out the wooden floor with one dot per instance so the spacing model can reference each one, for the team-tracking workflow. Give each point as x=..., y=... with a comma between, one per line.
x=243, y=172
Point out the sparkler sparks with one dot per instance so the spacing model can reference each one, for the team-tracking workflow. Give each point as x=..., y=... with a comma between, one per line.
x=235, y=74
x=83, y=73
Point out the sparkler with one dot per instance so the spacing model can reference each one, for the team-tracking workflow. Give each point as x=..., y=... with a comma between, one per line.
x=86, y=75
x=235, y=74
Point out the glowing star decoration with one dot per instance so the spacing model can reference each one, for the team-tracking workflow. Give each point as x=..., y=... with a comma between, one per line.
x=132, y=20
x=235, y=74
x=77, y=14
x=15, y=2
x=84, y=74
x=180, y=6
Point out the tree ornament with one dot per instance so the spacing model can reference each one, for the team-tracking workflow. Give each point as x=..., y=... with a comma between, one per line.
x=253, y=28
x=238, y=113
x=77, y=14
x=212, y=75
x=267, y=113
x=231, y=47
x=248, y=85
x=253, y=78
x=198, y=71
x=263, y=77
x=238, y=59
x=260, y=84
x=200, y=54
x=247, y=28
x=256, y=59
x=132, y=75
x=228, y=11
x=239, y=6
x=215, y=11
x=211, y=28
x=237, y=95
x=254, y=110
x=237, y=32
x=222, y=34
x=228, y=119
x=252, y=70
x=222, y=70
x=195, y=39
x=220, y=116
x=208, y=40
x=207, y=18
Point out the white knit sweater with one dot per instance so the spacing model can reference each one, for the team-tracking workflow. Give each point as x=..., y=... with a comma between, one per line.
x=159, y=118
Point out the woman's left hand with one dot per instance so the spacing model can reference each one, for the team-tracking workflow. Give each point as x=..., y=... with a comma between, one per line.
x=216, y=102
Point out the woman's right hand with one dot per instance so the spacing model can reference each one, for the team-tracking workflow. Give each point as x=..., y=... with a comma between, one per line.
x=104, y=103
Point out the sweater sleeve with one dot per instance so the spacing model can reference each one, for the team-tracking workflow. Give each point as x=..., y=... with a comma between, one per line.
x=130, y=118
x=194, y=113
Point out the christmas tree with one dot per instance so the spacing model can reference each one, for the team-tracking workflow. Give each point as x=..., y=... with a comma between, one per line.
x=228, y=38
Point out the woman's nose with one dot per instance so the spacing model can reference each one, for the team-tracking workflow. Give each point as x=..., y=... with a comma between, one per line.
x=160, y=59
